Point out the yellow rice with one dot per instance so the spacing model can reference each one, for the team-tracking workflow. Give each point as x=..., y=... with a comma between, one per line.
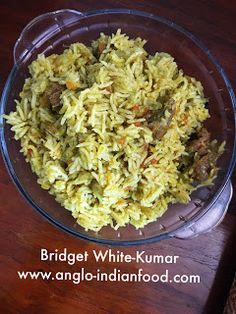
x=93, y=161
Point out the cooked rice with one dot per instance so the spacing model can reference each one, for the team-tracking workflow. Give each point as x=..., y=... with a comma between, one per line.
x=93, y=155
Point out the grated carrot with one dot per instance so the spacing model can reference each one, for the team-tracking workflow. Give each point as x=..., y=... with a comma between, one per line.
x=121, y=141
x=145, y=147
x=30, y=152
x=154, y=161
x=101, y=47
x=145, y=110
x=120, y=202
x=71, y=85
x=135, y=107
x=128, y=188
x=185, y=119
x=109, y=89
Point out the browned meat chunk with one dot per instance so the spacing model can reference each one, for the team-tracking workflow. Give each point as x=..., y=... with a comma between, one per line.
x=204, y=134
x=53, y=93
x=153, y=119
x=200, y=145
x=206, y=154
x=201, y=168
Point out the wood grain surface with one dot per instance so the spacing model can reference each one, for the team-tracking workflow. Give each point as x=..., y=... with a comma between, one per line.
x=23, y=232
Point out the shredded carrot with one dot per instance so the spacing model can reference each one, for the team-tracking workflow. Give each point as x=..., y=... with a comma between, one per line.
x=121, y=141
x=185, y=119
x=71, y=85
x=135, y=107
x=145, y=110
x=128, y=188
x=109, y=89
x=145, y=147
x=120, y=202
x=154, y=161
x=30, y=152
x=101, y=47
x=137, y=124
x=142, y=163
x=108, y=176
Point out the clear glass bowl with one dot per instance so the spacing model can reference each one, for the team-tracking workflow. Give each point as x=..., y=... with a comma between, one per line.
x=51, y=33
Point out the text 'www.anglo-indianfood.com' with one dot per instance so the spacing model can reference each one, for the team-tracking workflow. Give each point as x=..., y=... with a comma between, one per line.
x=115, y=276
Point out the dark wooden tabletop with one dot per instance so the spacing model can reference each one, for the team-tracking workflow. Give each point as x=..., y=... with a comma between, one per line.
x=23, y=232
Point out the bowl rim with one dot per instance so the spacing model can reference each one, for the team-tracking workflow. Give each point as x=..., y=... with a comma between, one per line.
x=119, y=242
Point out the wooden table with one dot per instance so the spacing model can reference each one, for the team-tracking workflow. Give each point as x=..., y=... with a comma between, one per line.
x=23, y=232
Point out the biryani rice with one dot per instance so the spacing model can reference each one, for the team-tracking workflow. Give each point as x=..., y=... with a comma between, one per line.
x=92, y=156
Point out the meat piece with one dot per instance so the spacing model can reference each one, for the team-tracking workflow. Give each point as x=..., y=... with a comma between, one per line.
x=202, y=168
x=206, y=154
x=153, y=118
x=202, y=157
x=200, y=145
x=154, y=115
x=101, y=47
x=204, y=134
x=53, y=93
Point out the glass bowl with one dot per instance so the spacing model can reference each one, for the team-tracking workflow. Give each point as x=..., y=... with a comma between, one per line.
x=51, y=33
